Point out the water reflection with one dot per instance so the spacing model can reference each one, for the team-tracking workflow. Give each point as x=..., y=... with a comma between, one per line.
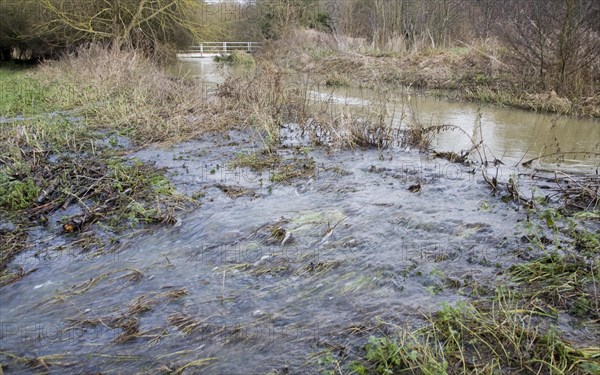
x=511, y=135
x=201, y=68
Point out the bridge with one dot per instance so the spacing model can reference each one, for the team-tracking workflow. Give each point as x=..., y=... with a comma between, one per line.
x=208, y=49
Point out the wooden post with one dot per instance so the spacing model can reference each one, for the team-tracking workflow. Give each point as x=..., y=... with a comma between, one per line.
x=201, y=49
x=224, y=48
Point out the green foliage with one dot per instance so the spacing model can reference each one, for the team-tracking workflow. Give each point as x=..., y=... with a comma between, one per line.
x=19, y=94
x=389, y=356
x=480, y=338
x=384, y=353
x=560, y=281
x=17, y=194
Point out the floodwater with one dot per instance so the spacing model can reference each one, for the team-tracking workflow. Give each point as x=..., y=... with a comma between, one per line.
x=204, y=68
x=511, y=135
x=222, y=293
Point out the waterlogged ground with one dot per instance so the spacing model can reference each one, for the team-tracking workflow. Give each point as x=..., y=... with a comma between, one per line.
x=220, y=288
x=269, y=273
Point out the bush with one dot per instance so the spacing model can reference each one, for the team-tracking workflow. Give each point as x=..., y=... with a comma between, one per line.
x=242, y=58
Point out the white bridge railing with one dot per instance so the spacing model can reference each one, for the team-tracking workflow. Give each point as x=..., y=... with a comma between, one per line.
x=219, y=48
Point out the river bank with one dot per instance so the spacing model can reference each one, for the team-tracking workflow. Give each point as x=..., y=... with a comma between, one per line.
x=249, y=228
x=473, y=72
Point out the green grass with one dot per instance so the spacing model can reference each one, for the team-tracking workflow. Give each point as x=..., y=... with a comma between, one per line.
x=562, y=281
x=15, y=94
x=15, y=193
x=24, y=92
x=484, y=338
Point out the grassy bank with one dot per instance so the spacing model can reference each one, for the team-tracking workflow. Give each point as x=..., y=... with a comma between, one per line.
x=477, y=72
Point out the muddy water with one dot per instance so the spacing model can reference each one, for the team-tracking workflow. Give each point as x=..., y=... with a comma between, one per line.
x=221, y=287
x=205, y=69
x=510, y=135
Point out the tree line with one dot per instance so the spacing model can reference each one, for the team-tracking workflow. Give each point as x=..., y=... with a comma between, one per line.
x=555, y=41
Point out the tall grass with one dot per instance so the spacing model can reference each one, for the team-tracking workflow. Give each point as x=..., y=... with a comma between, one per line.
x=481, y=70
x=127, y=91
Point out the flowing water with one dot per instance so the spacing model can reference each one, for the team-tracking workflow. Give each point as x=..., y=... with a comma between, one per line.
x=265, y=276
x=510, y=135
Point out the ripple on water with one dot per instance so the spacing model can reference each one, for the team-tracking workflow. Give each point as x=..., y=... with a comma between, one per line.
x=361, y=249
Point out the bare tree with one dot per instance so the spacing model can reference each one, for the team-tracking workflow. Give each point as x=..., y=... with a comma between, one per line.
x=559, y=38
x=121, y=22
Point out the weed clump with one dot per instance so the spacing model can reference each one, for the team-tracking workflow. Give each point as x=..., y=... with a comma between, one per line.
x=480, y=338
x=241, y=58
x=16, y=193
x=280, y=170
x=237, y=58
x=565, y=282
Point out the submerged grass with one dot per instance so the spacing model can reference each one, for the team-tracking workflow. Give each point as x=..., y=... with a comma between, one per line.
x=566, y=282
x=565, y=274
x=281, y=170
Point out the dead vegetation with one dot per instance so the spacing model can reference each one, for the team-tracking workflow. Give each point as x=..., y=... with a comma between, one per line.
x=125, y=90
x=480, y=71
